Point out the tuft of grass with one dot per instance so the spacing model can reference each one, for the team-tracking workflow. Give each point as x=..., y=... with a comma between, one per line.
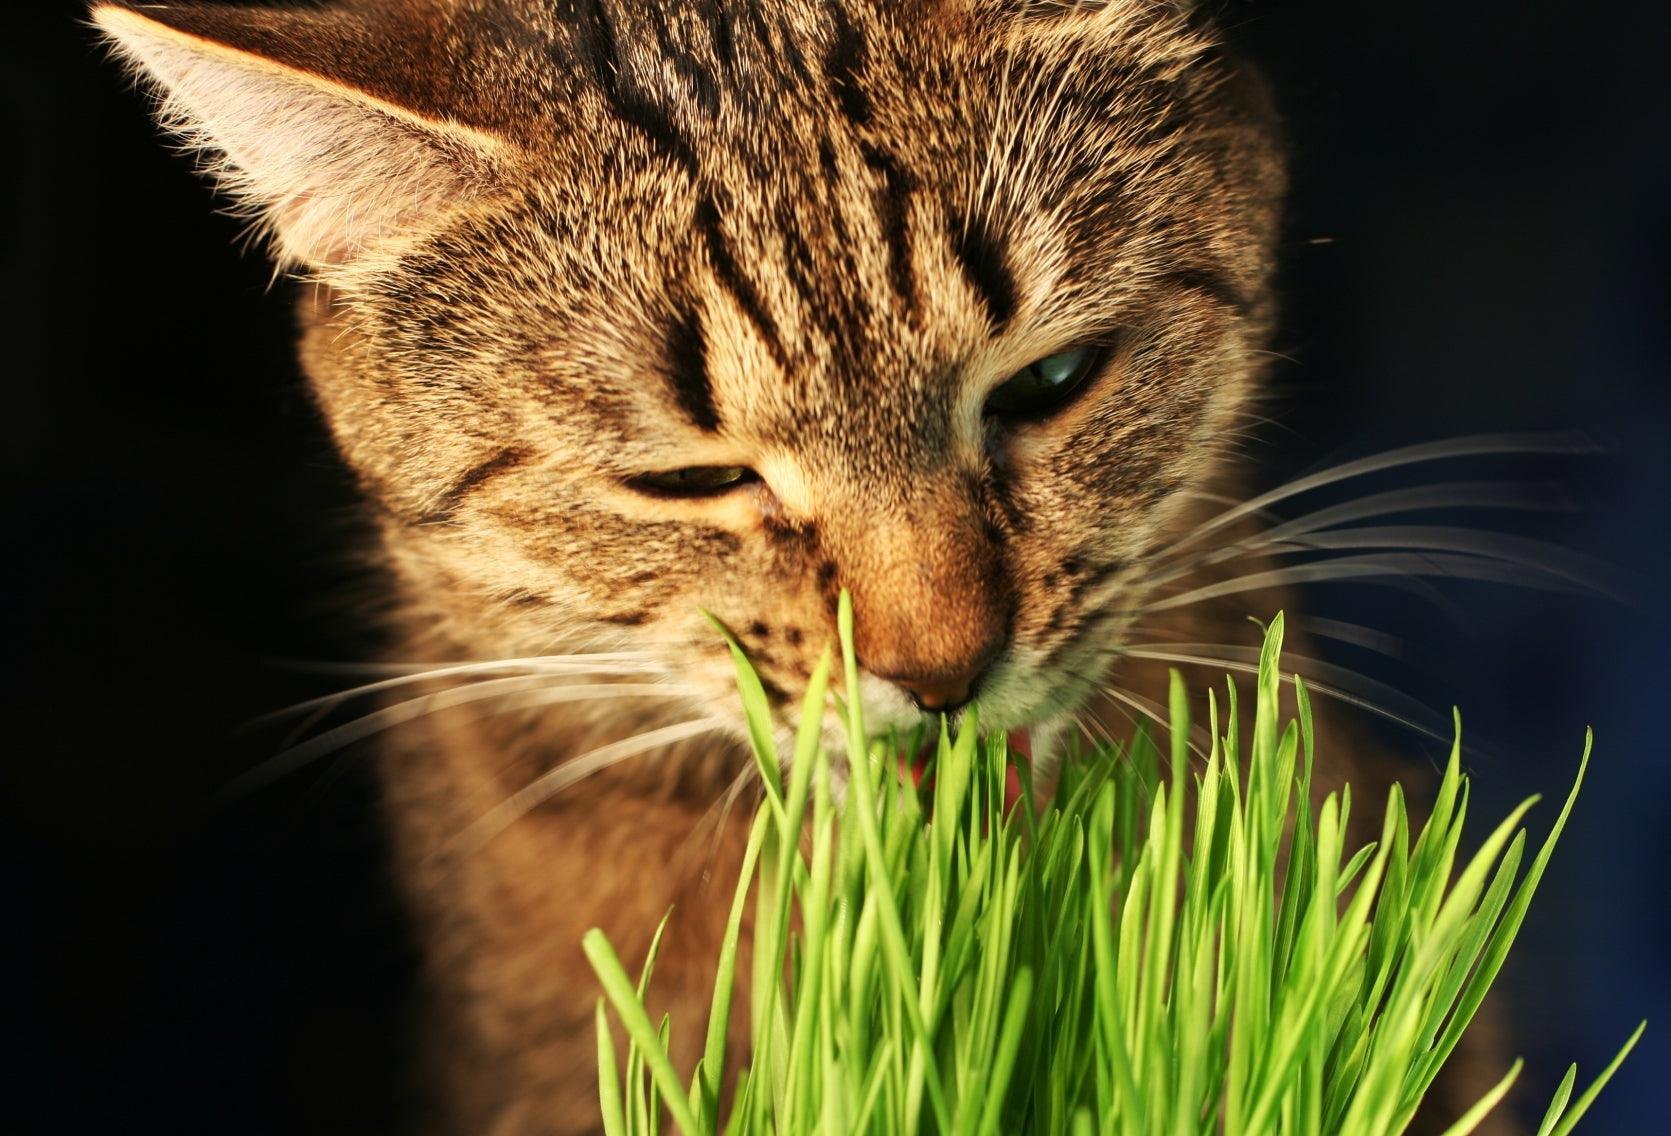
x=1159, y=951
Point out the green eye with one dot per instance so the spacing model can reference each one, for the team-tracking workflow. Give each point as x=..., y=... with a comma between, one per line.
x=1043, y=385
x=695, y=481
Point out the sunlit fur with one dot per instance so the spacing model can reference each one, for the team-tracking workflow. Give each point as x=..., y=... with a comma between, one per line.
x=556, y=245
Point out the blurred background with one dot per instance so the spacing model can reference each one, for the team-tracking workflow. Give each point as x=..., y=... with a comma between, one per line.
x=1479, y=240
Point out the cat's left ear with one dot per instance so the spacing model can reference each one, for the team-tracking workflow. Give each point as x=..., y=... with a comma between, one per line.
x=333, y=173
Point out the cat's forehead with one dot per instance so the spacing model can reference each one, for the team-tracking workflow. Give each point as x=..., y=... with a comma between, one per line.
x=772, y=219
x=607, y=224
x=846, y=194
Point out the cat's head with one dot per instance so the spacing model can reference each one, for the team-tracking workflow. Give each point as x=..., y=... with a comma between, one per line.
x=633, y=308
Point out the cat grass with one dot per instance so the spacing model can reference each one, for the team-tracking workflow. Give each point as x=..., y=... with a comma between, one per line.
x=1165, y=948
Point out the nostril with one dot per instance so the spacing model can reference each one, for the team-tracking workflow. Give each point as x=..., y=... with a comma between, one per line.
x=945, y=693
x=946, y=690
x=943, y=689
x=939, y=667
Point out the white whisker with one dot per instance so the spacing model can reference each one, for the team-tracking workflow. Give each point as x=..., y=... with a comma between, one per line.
x=1198, y=740
x=1420, y=498
x=1326, y=689
x=580, y=661
x=1391, y=567
x=1584, y=572
x=1447, y=495
x=1399, y=579
x=1098, y=732
x=1475, y=446
x=1089, y=685
x=544, y=667
x=715, y=818
x=1354, y=633
x=293, y=758
x=1342, y=678
x=548, y=785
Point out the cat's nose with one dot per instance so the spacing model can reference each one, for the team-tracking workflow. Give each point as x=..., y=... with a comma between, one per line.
x=931, y=598
x=943, y=692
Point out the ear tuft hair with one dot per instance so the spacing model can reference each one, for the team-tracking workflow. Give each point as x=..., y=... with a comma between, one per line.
x=332, y=175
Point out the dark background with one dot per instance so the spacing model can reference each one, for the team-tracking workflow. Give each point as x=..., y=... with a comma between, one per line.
x=1480, y=233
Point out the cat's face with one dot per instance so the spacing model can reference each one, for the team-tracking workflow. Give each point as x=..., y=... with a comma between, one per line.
x=632, y=312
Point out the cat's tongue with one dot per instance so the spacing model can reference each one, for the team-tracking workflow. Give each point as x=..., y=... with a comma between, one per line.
x=1020, y=742
x=914, y=766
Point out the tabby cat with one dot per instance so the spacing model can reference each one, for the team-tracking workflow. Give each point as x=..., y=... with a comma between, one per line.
x=626, y=310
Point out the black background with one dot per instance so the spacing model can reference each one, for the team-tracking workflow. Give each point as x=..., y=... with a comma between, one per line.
x=1480, y=234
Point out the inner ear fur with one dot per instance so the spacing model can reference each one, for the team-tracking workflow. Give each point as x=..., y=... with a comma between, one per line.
x=277, y=105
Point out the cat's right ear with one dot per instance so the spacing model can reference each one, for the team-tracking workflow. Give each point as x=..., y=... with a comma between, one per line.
x=332, y=174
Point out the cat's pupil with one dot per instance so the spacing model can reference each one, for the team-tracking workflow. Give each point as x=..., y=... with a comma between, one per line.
x=1043, y=384
x=695, y=481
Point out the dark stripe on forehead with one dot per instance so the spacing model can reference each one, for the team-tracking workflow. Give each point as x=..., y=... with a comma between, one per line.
x=791, y=50
x=659, y=128
x=719, y=20
x=804, y=272
x=731, y=278
x=593, y=36
x=695, y=77
x=984, y=265
x=832, y=177
x=844, y=64
x=471, y=480
x=841, y=315
x=596, y=40
x=687, y=359
x=893, y=206
x=774, y=37
x=1213, y=283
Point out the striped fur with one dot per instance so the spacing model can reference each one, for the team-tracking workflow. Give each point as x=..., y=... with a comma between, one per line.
x=561, y=244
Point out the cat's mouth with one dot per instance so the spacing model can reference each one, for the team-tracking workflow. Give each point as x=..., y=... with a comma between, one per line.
x=916, y=766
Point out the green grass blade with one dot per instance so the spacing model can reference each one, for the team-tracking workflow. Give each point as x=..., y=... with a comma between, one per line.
x=719, y=1011
x=609, y=1079
x=757, y=713
x=863, y=805
x=1470, y=1120
x=1563, y=1093
x=1582, y=1104
x=1003, y=1062
x=629, y=1007
x=926, y=963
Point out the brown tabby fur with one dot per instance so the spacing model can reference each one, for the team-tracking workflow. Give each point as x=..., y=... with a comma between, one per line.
x=560, y=244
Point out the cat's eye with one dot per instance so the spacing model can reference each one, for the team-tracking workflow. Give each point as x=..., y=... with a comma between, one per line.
x=695, y=481
x=1044, y=384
